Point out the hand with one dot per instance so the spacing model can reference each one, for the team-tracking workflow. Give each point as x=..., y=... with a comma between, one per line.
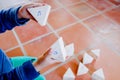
x=23, y=12
x=41, y=59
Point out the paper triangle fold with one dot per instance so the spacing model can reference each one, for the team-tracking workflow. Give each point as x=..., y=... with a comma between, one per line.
x=87, y=59
x=96, y=52
x=69, y=75
x=82, y=69
x=58, y=51
x=69, y=50
x=40, y=14
x=98, y=75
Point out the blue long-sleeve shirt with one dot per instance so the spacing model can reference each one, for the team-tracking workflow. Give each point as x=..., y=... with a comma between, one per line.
x=8, y=20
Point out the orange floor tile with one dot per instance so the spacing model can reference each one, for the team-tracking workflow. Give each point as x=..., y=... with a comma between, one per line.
x=37, y=47
x=114, y=14
x=89, y=24
x=53, y=3
x=104, y=25
x=16, y=52
x=100, y=4
x=81, y=10
x=60, y=18
x=7, y=40
x=28, y=32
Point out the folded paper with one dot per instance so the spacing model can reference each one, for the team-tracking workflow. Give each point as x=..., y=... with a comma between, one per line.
x=96, y=52
x=40, y=14
x=82, y=69
x=98, y=75
x=69, y=75
x=87, y=59
x=69, y=50
x=58, y=51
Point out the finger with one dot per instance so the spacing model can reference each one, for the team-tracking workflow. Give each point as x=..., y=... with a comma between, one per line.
x=44, y=55
x=30, y=16
x=32, y=5
x=47, y=52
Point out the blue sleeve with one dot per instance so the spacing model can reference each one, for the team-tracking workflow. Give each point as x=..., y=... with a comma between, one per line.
x=24, y=72
x=9, y=19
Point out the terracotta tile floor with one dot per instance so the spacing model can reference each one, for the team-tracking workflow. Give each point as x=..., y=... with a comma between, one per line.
x=104, y=25
x=16, y=52
x=100, y=4
x=60, y=18
x=81, y=10
x=116, y=14
x=89, y=24
x=53, y=3
x=79, y=35
x=116, y=2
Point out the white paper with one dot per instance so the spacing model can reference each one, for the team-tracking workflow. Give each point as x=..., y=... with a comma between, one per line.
x=96, y=52
x=40, y=14
x=82, y=69
x=69, y=50
x=98, y=75
x=58, y=51
x=87, y=59
x=69, y=75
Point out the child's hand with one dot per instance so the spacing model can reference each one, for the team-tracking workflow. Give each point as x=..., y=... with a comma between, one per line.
x=41, y=59
x=43, y=56
x=23, y=12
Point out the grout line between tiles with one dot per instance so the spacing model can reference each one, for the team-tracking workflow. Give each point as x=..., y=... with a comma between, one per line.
x=75, y=56
x=110, y=2
x=11, y=48
x=62, y=5
x=108, y=43
x=56, y=9
x=19, y=42
x=67, y=26
x=24, y=43
x=91, y=46
x=102, y=13
x=72, y=16
x=37, y=38
x=53, y=30
x=75, y=16
x=80, y=22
